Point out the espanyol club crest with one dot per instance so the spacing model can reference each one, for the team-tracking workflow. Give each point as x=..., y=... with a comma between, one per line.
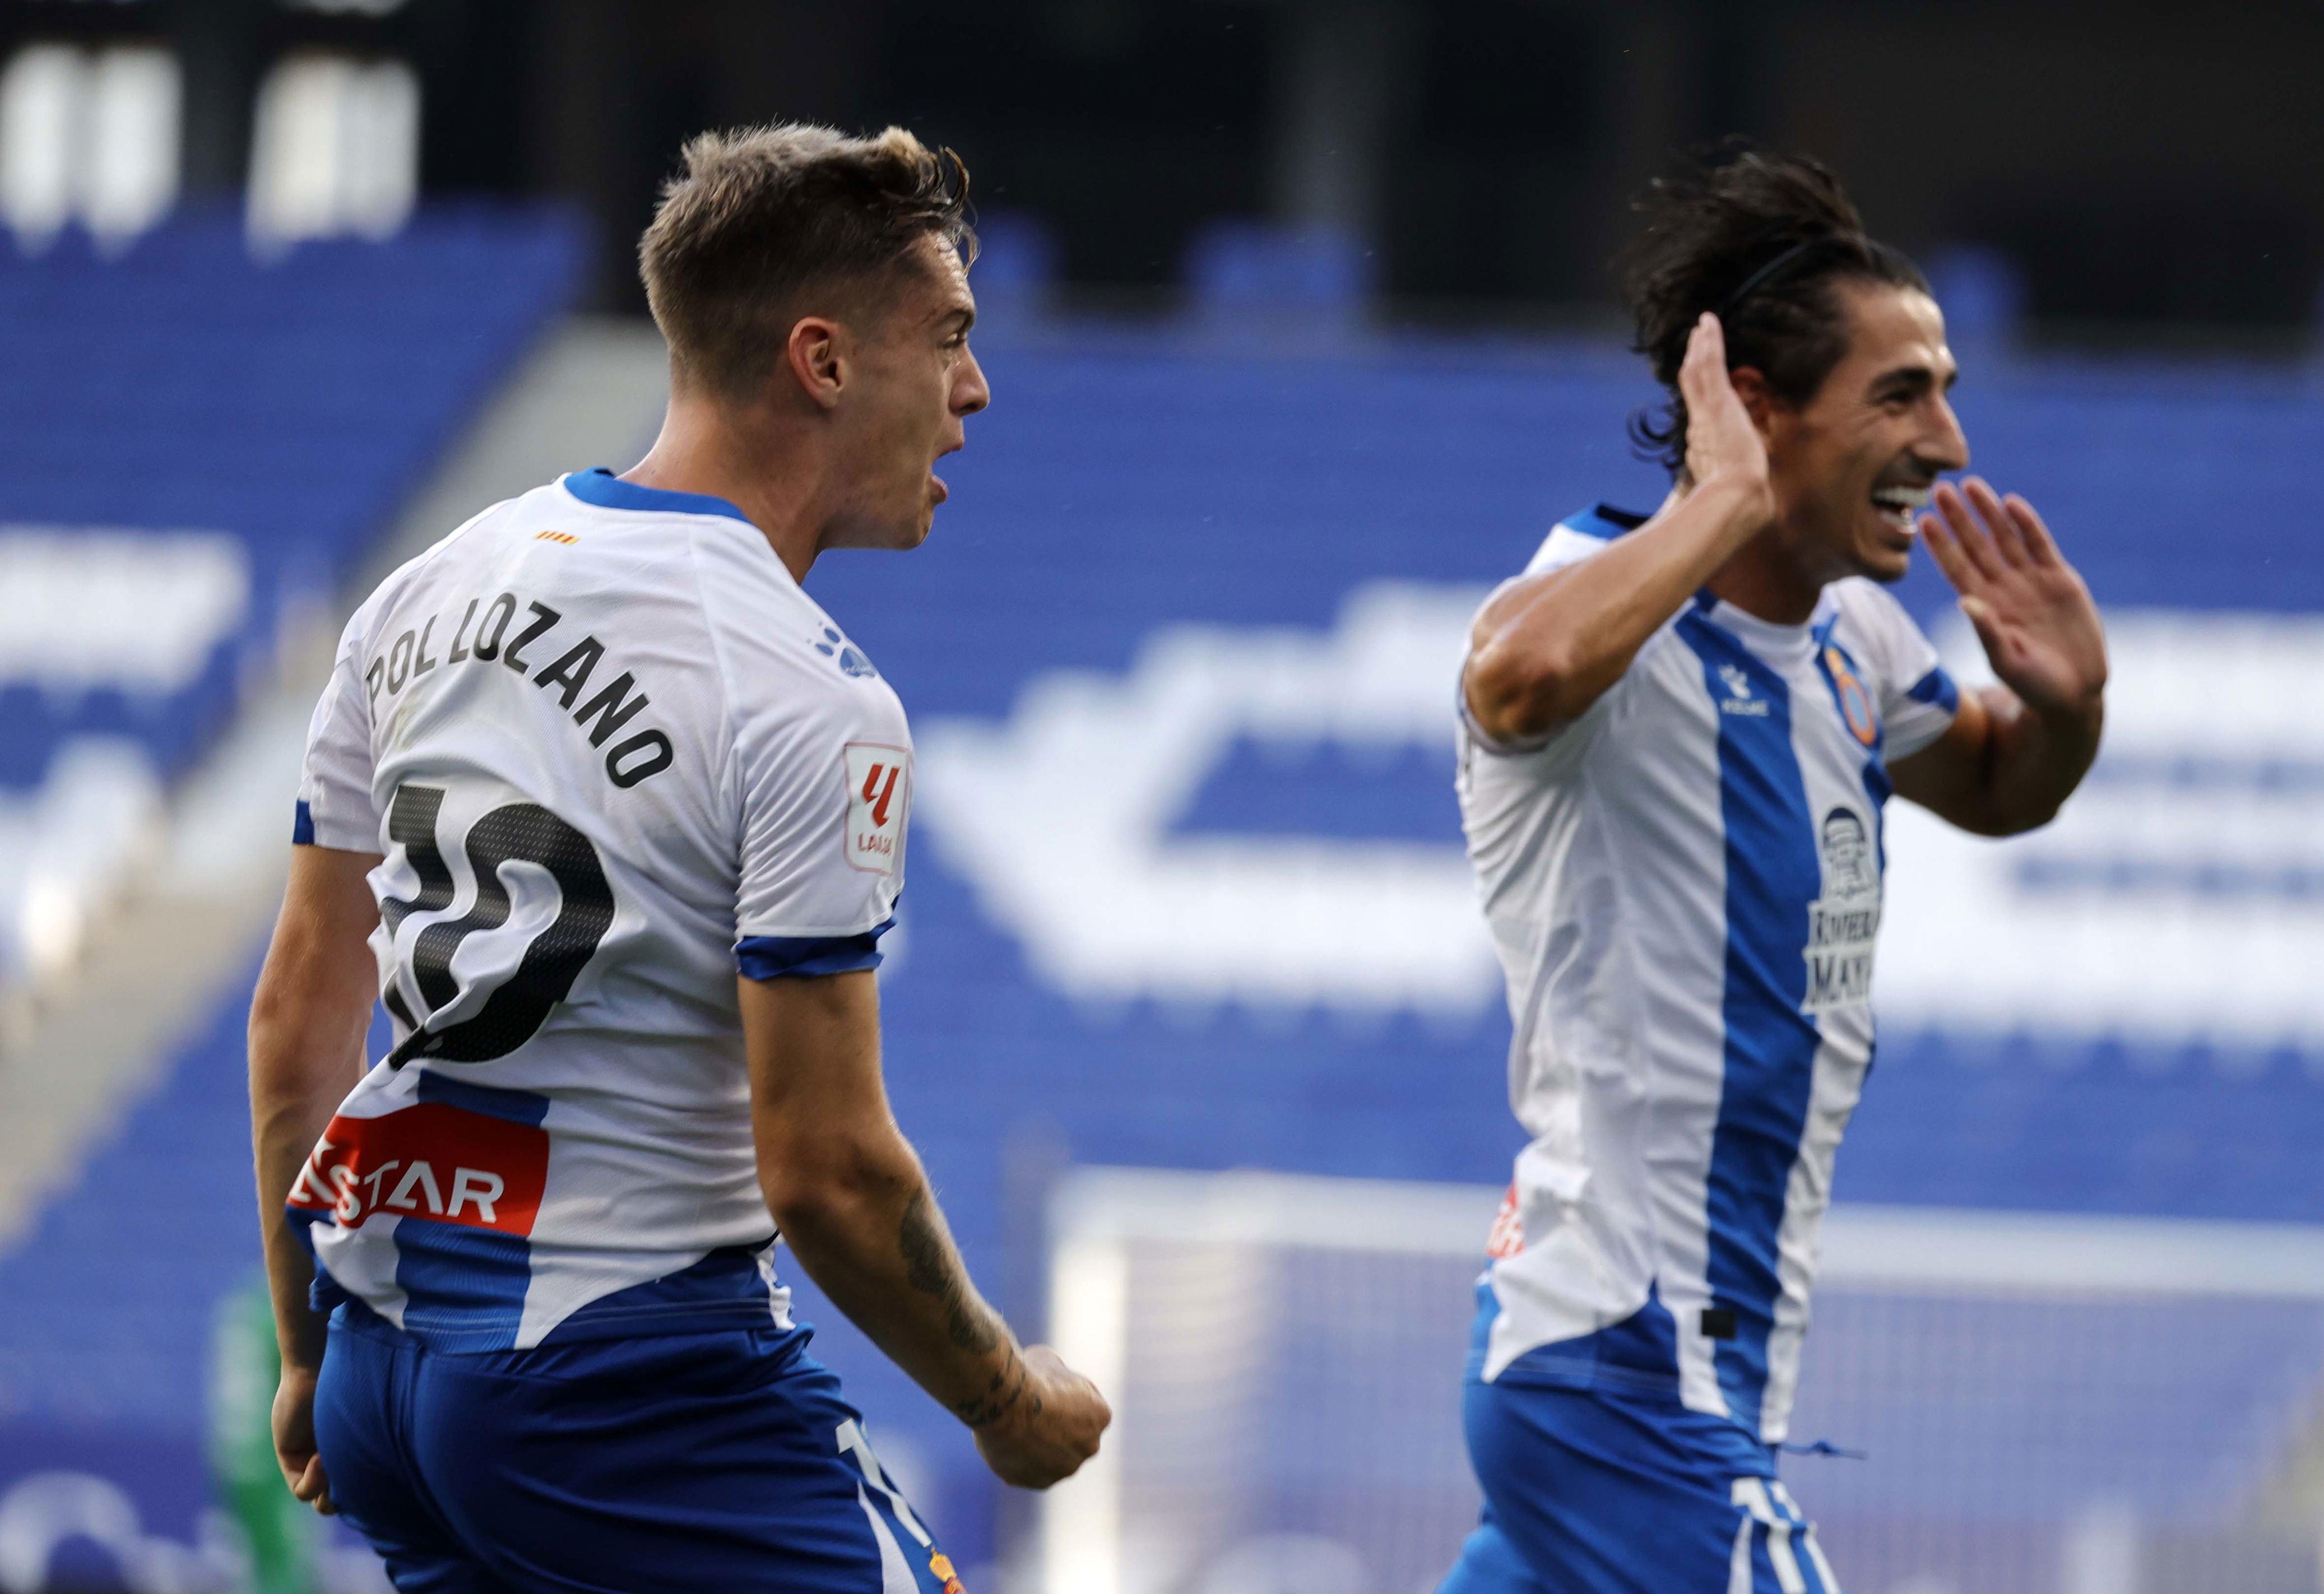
x=879, y=791
x=1855, y=702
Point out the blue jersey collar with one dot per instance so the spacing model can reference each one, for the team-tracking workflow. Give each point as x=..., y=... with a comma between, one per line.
x=605, y=490
x=1603, y=519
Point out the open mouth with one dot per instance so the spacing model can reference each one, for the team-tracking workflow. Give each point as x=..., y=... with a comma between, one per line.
x=1901, y=506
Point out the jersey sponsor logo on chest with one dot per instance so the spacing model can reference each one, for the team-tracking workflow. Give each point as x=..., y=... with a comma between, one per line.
x=1845, y=921
x=427, y=1161
x=879, y=792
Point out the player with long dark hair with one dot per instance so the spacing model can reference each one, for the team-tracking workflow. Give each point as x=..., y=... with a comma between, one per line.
x=1679, y=731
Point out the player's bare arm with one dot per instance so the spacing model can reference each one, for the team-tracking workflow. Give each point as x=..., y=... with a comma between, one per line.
x=1548, y=647
x=2015, y=751
x=306, y=1025
x=854, y=1202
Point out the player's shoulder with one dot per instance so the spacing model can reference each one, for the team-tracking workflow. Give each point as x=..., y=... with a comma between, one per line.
x=462, y=539
x=367, y=618
x=1580, y=536
x=777, y=654
x=1560, y=751
x=791, y=664
x=778, y=646
x=782, y=659
x=637, y=571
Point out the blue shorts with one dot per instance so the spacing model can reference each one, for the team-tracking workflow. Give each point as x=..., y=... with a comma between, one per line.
x=1592, y=1492
x=724, y=1459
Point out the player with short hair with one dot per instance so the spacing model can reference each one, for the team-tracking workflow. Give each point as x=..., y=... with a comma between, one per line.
x=1678, y=733
x=621, y=814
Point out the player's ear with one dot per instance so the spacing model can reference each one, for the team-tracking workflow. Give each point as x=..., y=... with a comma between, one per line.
x=817, y=355
x=1758, y=398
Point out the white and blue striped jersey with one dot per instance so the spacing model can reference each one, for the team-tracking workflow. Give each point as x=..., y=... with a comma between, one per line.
x=612, y=754
x=1684, y=884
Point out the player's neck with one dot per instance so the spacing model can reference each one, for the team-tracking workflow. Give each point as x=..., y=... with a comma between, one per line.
x=1761, y=578
x=1764, y=584
x=764, y=469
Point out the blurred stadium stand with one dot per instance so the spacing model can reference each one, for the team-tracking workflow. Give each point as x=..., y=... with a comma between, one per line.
x=1139, y=503
x=201, y=452
x=1188, y=890
x=198, y=451
x=134, y=1052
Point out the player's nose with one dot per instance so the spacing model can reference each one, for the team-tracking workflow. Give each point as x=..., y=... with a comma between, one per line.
x=1943, y=442
x=970, y=393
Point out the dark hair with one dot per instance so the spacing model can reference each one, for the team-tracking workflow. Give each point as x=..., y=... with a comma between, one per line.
x=763, y=214
x=1761, y=239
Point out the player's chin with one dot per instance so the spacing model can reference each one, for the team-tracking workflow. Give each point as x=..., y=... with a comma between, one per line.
x=911, y=527
x=1884, y=553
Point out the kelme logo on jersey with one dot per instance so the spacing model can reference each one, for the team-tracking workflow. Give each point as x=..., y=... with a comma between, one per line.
x=1738, y=698
x=428, y=1161
x=1842, y=923
x=834, y=646
x=879, y=792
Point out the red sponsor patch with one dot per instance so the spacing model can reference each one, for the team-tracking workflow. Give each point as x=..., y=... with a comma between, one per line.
x=428, y=1161
x=1508, y=1238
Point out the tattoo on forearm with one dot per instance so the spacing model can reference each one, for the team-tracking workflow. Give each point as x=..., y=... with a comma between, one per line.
x=1001, y=1396
x=931, y=1268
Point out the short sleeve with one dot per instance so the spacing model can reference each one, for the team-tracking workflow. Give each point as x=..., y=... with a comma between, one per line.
x=1918, y=697
x=1564, y=547
x=825, y=790
x=334, y=805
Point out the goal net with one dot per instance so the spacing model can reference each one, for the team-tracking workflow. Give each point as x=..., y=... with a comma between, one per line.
x=2033, y=1404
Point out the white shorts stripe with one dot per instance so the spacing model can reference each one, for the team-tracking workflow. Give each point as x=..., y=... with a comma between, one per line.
x=854, y=1441
x=1751, y=1494
x=1807, y=1538
x=1738, y=1564
x=895, y=1571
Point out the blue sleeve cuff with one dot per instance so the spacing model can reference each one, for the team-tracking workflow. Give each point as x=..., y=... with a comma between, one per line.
x=1937, y=686
x=302, y=827
x=801, y=957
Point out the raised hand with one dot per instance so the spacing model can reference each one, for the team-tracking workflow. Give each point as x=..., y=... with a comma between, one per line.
x=1720, y=440
x=2030, y=608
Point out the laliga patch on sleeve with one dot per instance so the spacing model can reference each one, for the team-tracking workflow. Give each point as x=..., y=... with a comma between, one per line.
x=879, y=791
